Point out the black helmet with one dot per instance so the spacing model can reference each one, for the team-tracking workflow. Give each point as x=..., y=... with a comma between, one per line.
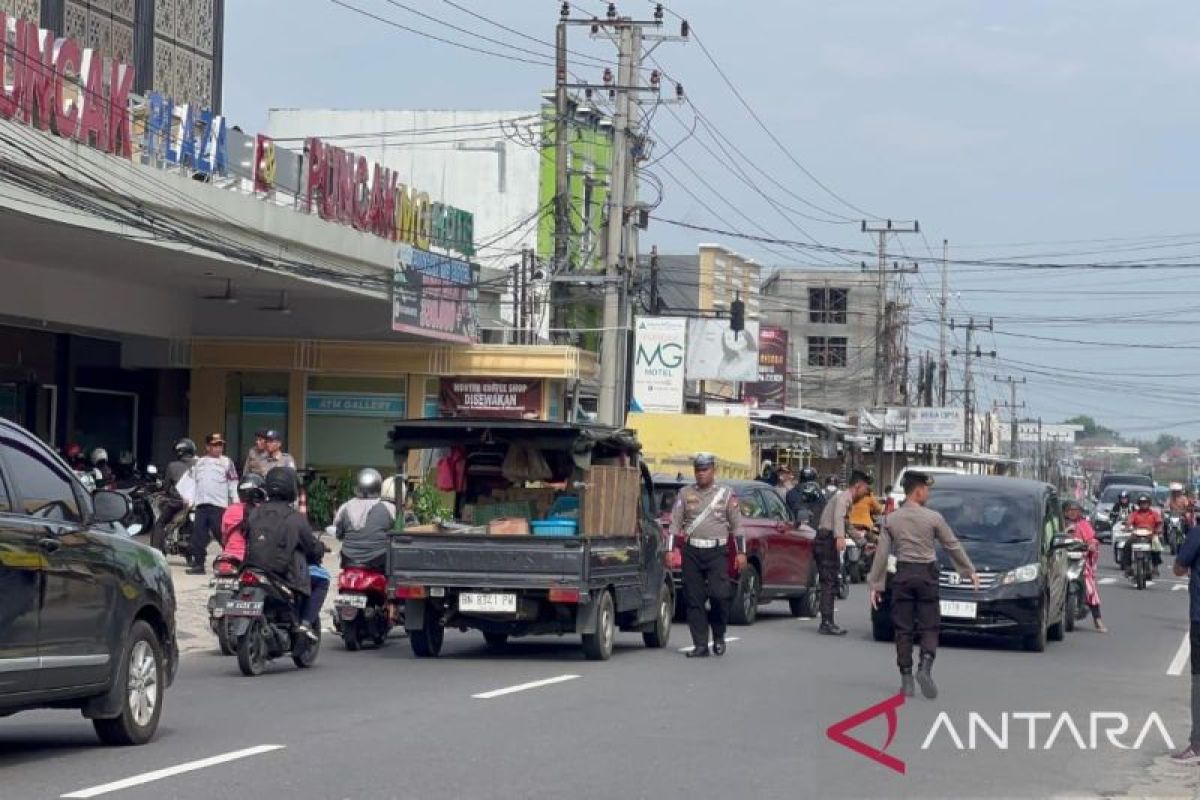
x=185, y=447
x=369, y=483
x=281, y=484
x=808, y=475
x=1124, y=498
x=252, y=489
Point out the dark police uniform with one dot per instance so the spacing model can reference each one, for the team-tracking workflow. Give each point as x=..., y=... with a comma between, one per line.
x=909, y=533
x=706, y=555
x=832, y=527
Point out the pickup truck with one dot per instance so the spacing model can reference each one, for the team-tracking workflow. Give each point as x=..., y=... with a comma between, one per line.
x=509, y=584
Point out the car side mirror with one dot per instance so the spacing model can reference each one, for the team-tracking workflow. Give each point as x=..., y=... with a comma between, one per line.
x=109, y=506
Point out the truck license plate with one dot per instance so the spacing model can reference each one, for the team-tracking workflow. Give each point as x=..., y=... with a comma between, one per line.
x=352, y=600
x=954, y=608
x=488, y=603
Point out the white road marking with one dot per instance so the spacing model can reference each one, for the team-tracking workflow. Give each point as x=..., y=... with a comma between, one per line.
x=1106, y=581
x=1181, y=657
x=1179, y=587
x=728, y=639
x=179, y=769
x=521, y=687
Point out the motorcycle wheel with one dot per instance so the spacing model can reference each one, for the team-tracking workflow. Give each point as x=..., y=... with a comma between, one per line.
x=1139, y=575
x=352, y=635
x=1072, y=606
x=305, y=651
x=227, y=645
x=252, y=651
x=1174, y=544
x=843, y=586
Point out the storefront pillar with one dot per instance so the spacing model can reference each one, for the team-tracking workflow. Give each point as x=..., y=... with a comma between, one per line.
x=207, y=406
x=297, y=403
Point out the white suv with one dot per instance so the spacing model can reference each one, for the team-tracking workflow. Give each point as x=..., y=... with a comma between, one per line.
x=896, y=497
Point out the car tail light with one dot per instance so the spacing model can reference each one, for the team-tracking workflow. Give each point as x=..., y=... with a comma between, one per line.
x=410, y=592
x=248, y=578
x=564, y=595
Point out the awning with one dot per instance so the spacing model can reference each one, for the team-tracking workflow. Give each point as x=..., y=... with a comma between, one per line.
x=780, y=429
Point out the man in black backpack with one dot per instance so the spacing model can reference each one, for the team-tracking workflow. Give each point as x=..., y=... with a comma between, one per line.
x=280, y=541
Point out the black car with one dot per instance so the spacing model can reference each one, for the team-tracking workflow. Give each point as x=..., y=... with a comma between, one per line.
x=1012, y=529
x=87, y=615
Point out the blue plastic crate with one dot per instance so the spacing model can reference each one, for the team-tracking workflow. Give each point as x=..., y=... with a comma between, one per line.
x=565, y=507
x=554, y=527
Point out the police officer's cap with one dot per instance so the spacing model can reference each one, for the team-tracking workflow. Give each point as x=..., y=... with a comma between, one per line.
x=704, y=461
x=913, y=479
x=858, y=476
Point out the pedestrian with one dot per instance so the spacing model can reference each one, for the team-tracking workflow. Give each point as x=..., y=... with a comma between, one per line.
x=1187, y=562
x=1078, y=524
x=909, y=533
x=707, y=516
x=216, y=481
x=831, y=541
x=257, y=455
x=275, y=457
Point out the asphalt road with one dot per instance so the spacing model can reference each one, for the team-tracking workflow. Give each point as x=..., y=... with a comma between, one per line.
x=382, y=724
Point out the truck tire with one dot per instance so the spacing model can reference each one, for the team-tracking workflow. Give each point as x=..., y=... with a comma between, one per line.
x=660, y=636
x=598, y=646
x=744, y=609
x=427, y=641
x=141, y=674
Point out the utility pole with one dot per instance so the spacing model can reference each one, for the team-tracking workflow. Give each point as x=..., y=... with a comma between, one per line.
x=1012, y=407
x=943, y=306
x=562, y=164
x=881, y=231
x=968, y=390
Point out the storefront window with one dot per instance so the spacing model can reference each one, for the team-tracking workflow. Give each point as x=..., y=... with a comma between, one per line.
x=347, y=420
x=432, y=405
x=106, y=419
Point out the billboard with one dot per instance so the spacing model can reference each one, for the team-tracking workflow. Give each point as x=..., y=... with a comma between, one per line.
x=716, y=353
x=936, y=426
x=769, y=392
x=658, y=365
x=435, y=295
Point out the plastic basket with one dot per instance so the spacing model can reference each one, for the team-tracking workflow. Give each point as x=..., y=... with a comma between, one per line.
x=555, y=527
x=565, y=507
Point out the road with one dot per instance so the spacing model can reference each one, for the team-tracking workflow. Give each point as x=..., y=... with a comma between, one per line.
x=382, y=724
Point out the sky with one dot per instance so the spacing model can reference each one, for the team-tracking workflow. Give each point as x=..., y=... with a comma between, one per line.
x=1042, y=133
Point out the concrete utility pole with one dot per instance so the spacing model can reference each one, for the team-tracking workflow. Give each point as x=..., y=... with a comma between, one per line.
x=562, y=186
x=968, y=390
x=1012, y=407
x=881, y=231
x=943, y=306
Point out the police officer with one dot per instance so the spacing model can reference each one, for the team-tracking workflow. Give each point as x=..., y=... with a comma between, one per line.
x=805, y=500
x=707, y=515
x=831, y=541
x=909, y=534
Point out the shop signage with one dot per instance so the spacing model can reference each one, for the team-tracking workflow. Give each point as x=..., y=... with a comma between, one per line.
x=344, y=187
x=184, y=135
x=258, y=405
x=658, y=366
x=770, y=391
x=435, y=295
x=496, y=398
x=936, y=426
x=58, y=86
x=342, y=404
x=716, y=352
x=265, y=165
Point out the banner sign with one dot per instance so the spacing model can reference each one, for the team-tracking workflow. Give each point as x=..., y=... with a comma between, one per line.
x=342, y=404
x=487, y=397
x=719, y=409
x=658, y=365
x=936, y=426
x=1027, y=432
x=769, y=392
x=435, y=295
x=715, y=352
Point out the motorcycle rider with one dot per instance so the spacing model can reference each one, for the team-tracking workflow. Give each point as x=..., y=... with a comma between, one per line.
x=280, y=542
x=99, y=459
x=805, y=500
x=1122, y=508
x=1144, y=516
x=1179, y=503
x=362, y=523
x=251, y=493
x=172, y=504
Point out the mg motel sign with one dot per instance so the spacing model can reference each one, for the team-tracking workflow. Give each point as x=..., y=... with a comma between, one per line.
x=57, y=86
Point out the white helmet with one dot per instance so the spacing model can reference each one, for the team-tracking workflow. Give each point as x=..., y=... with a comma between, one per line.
x=1176, y=487
x=99, y=454
x=388, y=492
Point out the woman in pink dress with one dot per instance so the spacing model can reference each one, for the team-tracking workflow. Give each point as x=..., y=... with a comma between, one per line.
x=1078, y=524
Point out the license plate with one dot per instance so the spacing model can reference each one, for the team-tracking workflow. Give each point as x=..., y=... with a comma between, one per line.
x=243, y=608
x=954, y=608
x=225, y=583
x=352, y=600
x=488, y=603
x=1141, y=546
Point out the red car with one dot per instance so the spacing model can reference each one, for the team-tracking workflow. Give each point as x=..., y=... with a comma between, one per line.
x=779, y=551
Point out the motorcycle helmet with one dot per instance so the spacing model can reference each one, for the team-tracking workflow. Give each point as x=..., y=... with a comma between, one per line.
x=1124, y=498
x=252, y=489
x=1143, y=498
x=185, y=448
x=1176, y=487
x=281, y=484
x=99, y=454
x=808, y=475
x=388, y=490
x=369, y=483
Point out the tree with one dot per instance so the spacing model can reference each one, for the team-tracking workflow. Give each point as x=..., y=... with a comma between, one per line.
x=1166, y=442
x=1091, y=428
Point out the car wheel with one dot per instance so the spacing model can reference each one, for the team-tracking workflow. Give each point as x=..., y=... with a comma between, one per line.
x=252, y=651
x=805, y=605
x=496, y=641
x=1058, y=630
x=598, y=646
x=1036, y=641
x=661, y=634
x=745, y=601
x=141, y=680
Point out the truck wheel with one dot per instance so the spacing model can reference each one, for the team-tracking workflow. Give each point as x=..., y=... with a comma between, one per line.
x=744, y=609
x=495, y=641
x=427, y=642
x=140, y=678
x=598, y=646
x=661, y=635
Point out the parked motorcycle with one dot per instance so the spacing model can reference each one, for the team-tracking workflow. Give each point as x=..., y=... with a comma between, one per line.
x=852, y=561
x=143, y=513
x=1141, y=563
x=224, y=584
x=361, y=611
x=1077, y=608
x=176, y=536
x=1174, y=530
x=263, y=620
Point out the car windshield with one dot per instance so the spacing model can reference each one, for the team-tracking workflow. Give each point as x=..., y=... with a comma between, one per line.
x=985, y=516
x=1112, y=493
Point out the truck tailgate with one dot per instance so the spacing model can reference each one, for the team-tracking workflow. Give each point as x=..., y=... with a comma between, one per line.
x=486, y=561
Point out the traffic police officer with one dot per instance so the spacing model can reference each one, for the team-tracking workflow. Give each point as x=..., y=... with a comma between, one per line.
x=707, y=515
x=909, y=534
x=831, y=541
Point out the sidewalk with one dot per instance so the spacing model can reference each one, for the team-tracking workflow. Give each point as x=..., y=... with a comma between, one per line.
x=192, y=593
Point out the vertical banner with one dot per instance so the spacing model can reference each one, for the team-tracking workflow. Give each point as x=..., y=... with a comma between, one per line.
x=770, y=391
x=658, y=365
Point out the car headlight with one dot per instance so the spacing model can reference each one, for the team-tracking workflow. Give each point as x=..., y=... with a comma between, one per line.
x=1024, y=574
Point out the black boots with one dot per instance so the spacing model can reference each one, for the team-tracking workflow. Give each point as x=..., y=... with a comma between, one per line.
x=830, y=628
x=719, y=646
x=907, y=687
x=698, y=652
x=925, y=677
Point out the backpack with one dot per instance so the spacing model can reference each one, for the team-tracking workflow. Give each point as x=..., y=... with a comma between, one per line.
x=269, y=544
